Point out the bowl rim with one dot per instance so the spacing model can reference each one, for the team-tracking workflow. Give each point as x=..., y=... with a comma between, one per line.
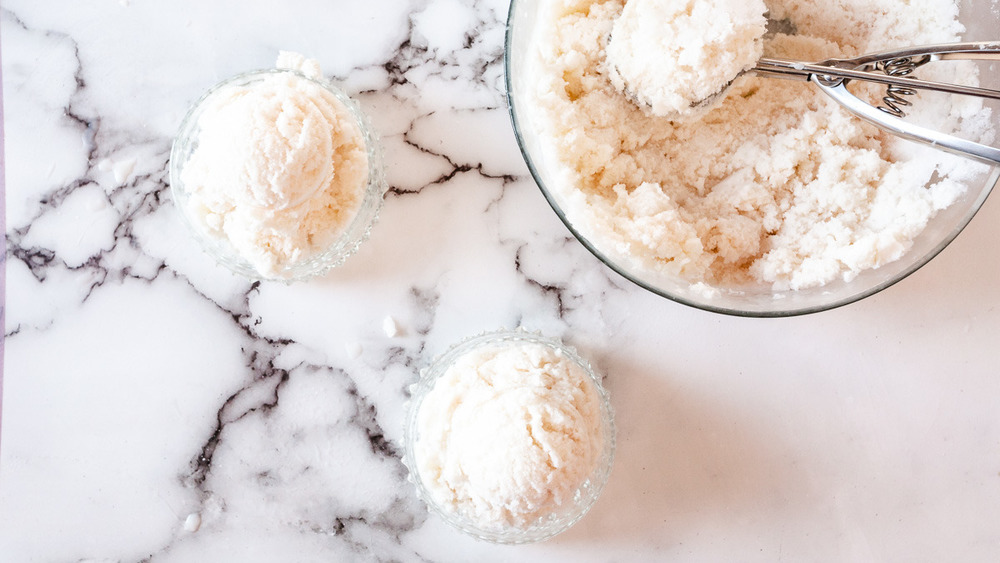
x=992, y=181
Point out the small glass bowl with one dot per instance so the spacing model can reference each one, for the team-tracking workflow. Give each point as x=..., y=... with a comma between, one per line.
x=544, y=527
x=219, y=248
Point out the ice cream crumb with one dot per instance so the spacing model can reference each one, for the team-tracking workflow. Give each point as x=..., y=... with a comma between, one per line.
x=120, y=169
x=97, y=204
x=390, y=327
x=296, y=61
x=123, y=170
x=508, y=434
x=192, y=523
x=353, y=350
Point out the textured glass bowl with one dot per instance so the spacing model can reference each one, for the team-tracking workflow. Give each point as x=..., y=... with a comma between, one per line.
x=355, y=233
x=569, y=513
x=522, y=27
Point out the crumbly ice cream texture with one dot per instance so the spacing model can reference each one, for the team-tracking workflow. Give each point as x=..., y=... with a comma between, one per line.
x=279, y=170
x=677, y=56
x=775, y=187
x=508, y=434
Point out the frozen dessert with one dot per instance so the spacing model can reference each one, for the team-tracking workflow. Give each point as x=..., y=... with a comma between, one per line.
x=676, y=56
x=279, y=169
x=776, y=186
x=508, y=434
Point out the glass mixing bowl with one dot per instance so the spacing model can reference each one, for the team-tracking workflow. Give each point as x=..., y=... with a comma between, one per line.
x=523, y=24
x=564, y=515
x=353, y=234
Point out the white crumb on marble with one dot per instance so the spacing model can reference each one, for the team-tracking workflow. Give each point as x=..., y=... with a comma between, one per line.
x=123, y=170
x=120, y=169
x=390, y=327
x=97, y=204
x=192, y=523
x=353, y=350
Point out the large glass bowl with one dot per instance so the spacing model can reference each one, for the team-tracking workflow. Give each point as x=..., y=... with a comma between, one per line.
x=981, y=22
x=352, y=235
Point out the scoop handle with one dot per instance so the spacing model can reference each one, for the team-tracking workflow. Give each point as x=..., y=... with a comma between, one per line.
x=832, y=75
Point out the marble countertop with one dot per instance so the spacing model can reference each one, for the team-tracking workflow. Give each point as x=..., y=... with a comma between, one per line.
x=157, y=408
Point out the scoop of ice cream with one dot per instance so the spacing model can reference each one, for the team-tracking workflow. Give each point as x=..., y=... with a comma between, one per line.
x=269, y=146
x=676, y=56
x=508, y=434
x=279, y=168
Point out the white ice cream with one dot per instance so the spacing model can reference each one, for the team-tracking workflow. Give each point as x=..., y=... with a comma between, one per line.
x=279, y=169
x=676, y=56
x=508, y=434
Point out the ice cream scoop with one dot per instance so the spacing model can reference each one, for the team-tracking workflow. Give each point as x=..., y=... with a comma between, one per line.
x=675, y=56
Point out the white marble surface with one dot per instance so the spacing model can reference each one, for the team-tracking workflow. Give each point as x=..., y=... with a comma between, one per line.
x=156, y=408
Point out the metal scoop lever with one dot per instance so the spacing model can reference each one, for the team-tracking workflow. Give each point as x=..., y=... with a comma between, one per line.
x=893, y=68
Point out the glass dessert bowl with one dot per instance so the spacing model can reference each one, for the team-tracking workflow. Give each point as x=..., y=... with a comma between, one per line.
x=264, y=211
x=509, y=437
x=526, y=25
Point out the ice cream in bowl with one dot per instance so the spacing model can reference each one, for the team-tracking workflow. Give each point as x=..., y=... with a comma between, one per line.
x=509, y=437
x=277, y=172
